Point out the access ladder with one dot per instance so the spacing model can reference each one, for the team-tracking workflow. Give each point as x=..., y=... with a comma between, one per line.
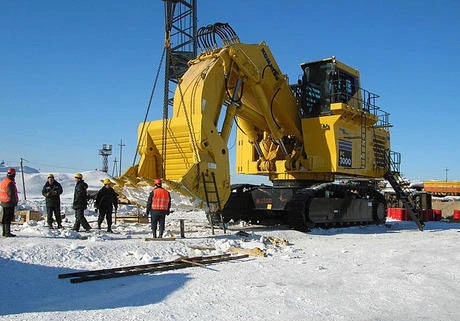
x=212, y=200
x=393, y=177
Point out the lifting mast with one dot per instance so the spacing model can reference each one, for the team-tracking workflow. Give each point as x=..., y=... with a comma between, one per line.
x=180, y=47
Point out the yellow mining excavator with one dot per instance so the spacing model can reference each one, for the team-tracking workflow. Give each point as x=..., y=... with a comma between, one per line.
x=308, y=138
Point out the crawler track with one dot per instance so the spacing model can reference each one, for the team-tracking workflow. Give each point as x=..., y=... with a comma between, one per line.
x=319, y=205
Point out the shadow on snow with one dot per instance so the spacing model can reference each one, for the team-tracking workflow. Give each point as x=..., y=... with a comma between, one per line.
x=38, y=289
x=388, y=227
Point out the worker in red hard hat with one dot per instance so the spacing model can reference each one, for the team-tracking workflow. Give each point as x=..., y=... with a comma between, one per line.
x=8, y=200
x=158, y=206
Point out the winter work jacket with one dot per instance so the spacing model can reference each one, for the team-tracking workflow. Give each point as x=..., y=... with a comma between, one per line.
x=51, y=193
x=80, y=199
x=106, y=198
x=159, y=200
x=8, y=193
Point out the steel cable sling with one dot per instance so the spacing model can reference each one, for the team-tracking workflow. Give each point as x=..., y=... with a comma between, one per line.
x=148, y=107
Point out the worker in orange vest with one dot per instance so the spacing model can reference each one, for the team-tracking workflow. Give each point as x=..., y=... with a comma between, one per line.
x=158, y=206
x=8, y=199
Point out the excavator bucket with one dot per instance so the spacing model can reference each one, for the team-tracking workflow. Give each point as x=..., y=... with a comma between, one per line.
x=192, y=145
x=182, y=174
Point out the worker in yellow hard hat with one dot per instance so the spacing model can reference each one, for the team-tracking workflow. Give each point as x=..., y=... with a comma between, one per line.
x=52, y=191
x=106, y=201
x=80, y=203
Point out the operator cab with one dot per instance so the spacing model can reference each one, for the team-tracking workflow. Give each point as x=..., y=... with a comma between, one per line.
x=323, y=83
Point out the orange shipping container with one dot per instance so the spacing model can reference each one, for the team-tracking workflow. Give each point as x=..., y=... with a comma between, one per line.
x=442, y=188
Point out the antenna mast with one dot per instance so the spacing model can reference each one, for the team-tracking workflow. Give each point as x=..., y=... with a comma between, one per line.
x=105, y=152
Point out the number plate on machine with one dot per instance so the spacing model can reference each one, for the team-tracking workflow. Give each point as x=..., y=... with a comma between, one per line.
x=345, y=153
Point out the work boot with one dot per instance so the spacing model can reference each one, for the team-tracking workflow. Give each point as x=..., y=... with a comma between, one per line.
x=100, y=219
x=109, y=230
x=76, y=226
x=87, y=227
x=59, y=226
x=8, y=231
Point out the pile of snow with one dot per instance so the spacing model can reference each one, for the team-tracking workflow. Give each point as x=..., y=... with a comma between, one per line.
x=386, y=272
x=35, y=201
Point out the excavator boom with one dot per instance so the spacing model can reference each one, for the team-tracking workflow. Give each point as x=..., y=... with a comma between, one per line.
x=236, y=80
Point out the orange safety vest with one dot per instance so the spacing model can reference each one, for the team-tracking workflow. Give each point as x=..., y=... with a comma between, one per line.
x=160, y=199
x=4, y=196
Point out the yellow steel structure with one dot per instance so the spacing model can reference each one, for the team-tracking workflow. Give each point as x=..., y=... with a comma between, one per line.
x=321, y=136
x=243, y=82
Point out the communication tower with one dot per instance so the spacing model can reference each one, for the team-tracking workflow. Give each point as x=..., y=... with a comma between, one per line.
x=105, y=152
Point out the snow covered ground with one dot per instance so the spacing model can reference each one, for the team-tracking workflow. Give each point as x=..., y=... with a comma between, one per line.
x=392, y=272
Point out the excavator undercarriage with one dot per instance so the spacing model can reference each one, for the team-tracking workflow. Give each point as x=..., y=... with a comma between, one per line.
x=301, y=208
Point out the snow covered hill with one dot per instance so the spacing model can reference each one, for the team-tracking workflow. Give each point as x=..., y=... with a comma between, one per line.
x=27, y=169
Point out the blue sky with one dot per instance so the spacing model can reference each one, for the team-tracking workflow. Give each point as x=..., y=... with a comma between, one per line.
x=78, y=74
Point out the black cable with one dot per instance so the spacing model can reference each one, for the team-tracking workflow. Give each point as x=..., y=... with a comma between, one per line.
x=236, y=122
x=271, y=108
x=149, y=104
